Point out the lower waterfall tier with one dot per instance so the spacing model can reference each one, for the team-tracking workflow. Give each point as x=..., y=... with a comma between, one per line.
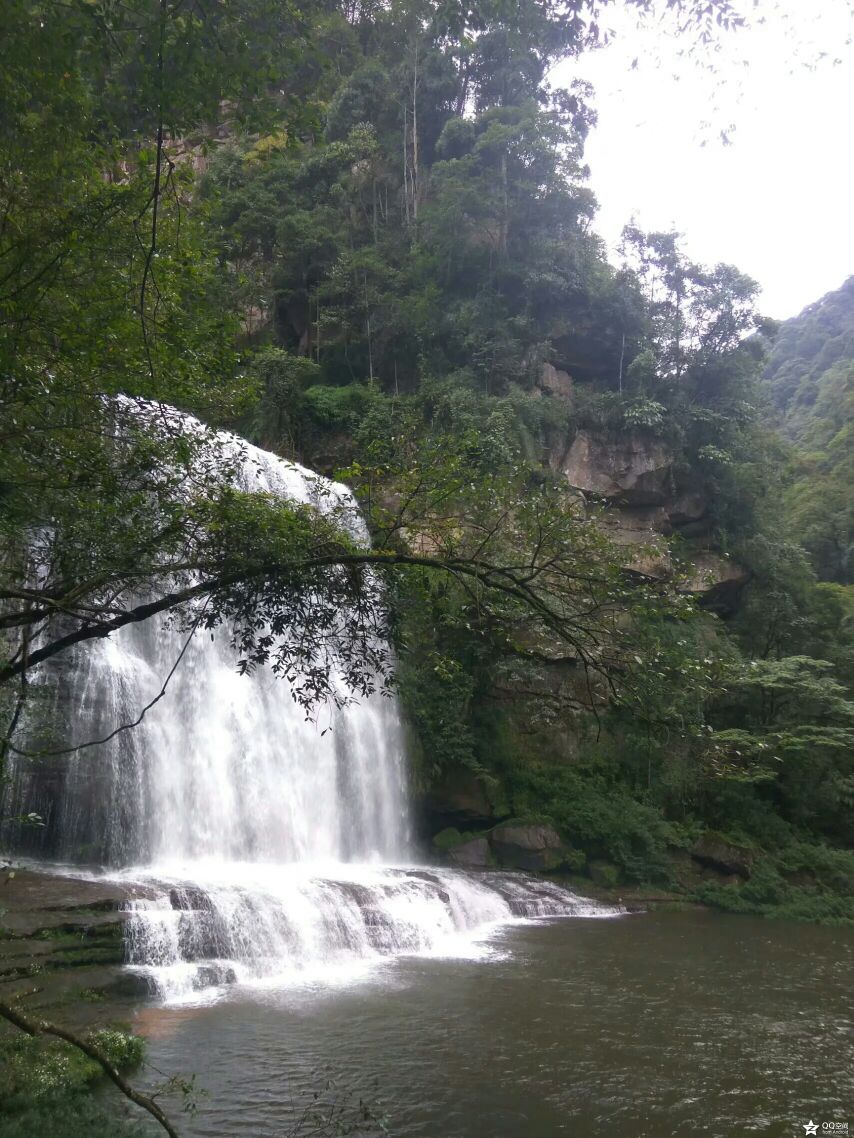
x=193, y=930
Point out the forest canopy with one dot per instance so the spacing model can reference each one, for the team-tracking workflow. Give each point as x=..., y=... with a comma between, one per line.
x=363, y=237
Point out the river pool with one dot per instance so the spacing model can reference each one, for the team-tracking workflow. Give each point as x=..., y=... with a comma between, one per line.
x=656, y=1024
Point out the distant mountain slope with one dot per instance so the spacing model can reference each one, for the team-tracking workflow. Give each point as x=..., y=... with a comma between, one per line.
x=810, y=378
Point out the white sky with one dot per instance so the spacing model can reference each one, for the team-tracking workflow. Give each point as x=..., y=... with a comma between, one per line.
x=778, y=201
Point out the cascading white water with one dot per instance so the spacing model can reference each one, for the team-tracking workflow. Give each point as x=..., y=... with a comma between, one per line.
x=259, y=846
x=225, y=766
x=273, y=924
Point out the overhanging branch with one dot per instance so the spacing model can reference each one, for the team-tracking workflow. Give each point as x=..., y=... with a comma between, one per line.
x=493, y=578
x=36, y=1027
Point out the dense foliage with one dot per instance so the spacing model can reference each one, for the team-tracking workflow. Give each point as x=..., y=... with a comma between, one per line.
x=45, y=1086
x=421, y=276
x=810, y=377
x=113, y=508
x=362, y=235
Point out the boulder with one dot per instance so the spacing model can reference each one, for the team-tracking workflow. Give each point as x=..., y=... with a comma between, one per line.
x=716, y=852
x=531, y=847
x=213, y=976
x=633, y=468
x=190, y=899
x=556, y=382
x=472, y=854
x=716, y=580
x=466, y=851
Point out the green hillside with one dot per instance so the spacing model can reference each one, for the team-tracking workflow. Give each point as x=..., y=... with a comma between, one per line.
x=810, y=377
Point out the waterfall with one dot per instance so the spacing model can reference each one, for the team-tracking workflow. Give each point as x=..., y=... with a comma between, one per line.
x=225, y=767
x=257, y=845
x=275, y=925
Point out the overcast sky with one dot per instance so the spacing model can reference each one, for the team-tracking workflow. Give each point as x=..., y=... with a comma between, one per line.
x=778, y=201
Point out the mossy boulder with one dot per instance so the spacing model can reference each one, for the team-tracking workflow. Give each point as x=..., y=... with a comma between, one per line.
x=465, y=850
x=472, y=854
x=716, y=851
x=531, y=846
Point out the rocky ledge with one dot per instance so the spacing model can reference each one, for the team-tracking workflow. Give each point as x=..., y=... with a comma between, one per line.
x=61, y=939
x=648, y=499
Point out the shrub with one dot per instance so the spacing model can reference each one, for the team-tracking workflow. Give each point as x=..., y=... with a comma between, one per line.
x=45, y=1085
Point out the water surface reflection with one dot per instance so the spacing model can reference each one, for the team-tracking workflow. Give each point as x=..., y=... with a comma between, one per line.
x=656, y=1025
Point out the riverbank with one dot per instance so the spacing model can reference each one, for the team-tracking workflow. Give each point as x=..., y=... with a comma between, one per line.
x=62, y=945
x=62, y=935
x=61, y=959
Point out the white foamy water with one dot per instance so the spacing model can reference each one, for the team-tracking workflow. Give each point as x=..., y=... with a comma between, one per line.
x=266, y=849
x=279, y=925
x=226, y=767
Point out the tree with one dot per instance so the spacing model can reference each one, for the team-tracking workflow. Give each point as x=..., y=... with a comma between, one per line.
x=107, y=283
x=93, y=1049
x=797, y=734
x=115, y=509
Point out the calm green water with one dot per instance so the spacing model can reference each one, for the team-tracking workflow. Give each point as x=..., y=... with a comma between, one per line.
x=653, y=1025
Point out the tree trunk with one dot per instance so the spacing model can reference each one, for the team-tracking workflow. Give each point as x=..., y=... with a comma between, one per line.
x=504, y=205
x=406, y=163
x=415, y=136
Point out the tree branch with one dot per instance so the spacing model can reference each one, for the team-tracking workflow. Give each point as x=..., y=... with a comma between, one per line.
x=36, y=1027
x=118, y=730
x=491, y=577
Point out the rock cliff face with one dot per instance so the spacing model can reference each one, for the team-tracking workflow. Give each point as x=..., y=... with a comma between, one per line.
x=634, y=475
x=647, y=499
x=459, y=799
x=625, y=468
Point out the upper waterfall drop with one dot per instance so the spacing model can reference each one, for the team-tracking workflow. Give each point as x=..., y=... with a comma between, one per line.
x=224, y=767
